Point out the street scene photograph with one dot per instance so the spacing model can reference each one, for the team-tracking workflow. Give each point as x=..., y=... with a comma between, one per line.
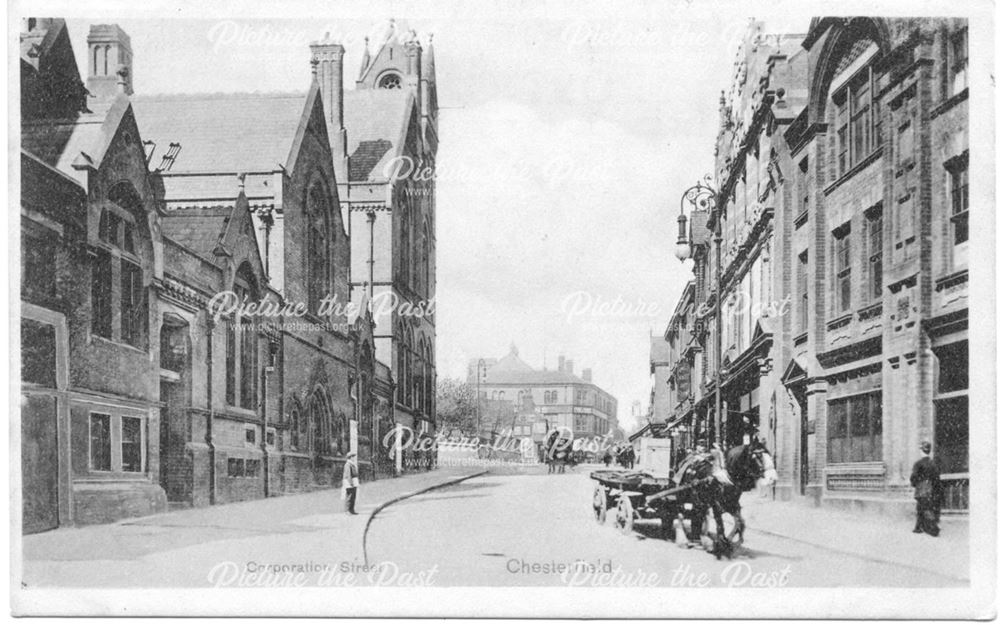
x=594, y=310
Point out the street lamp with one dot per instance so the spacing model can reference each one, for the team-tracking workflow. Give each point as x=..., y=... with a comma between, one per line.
x=702, y=197
x=480, y=370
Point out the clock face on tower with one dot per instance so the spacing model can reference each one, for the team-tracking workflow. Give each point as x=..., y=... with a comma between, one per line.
x=389, y=81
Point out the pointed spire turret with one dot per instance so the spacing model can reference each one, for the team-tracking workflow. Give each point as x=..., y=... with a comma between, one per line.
x=366, y=60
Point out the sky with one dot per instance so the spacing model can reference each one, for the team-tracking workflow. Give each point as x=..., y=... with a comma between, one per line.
x=568, y=134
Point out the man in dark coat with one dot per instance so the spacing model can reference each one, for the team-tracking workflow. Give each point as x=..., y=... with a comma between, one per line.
x=350, y=482
x=926, y=480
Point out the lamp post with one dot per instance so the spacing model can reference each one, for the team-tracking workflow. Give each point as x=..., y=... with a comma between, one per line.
x=480, y=369
x=702, y=197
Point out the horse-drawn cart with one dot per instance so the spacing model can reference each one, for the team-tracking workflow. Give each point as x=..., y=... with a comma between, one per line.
x=638, y=497
x=697, y=500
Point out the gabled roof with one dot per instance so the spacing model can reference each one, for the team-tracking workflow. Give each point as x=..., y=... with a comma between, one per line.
x=223, y=132
x=37, y=42
x=198, y=229
x=376, y=121
x=82, y=141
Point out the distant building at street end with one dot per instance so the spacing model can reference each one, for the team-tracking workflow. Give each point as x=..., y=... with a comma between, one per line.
x=558, y=398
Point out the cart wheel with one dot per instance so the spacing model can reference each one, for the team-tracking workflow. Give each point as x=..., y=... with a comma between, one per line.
x=600, y=505
x=625, y=516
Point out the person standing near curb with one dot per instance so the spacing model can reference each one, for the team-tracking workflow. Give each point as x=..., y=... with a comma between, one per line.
x=926, y=480
x=350, y=482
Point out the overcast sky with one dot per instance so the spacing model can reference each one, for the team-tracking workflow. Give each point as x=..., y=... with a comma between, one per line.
x=567, y=138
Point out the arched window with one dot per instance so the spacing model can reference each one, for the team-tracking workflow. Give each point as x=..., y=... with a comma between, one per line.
x=425, y=260
x=418, y=382
x=400, y=364
x=404, y=244
x=390, y=81
x=429, y=386
x=409, y=367
x=118, y=259
x=319, y=246
x=297, y=436
x=321, y=421
x=852, y=109
x=242, y=346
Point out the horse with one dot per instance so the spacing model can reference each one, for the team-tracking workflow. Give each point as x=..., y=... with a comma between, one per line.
x=558, y=451
x=747, y=465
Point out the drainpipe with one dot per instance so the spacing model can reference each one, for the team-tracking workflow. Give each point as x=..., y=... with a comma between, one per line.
x=211, y=415
x=371, y=255
x=263, y=418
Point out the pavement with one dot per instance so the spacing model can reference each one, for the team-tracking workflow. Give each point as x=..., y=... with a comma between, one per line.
x=183, y=547
x=885, y=539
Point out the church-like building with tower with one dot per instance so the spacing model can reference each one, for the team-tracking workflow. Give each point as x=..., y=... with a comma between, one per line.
x=138, y=211
x=384, y=139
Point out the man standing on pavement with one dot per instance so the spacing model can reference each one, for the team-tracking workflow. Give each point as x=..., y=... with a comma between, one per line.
x=926, y=480
x=350, y=482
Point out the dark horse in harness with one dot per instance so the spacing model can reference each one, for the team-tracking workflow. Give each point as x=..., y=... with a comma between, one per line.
x=558, y=449
x=746, y=465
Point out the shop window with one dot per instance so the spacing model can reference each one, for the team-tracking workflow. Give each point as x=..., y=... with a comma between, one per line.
x=854, y=428
x=951, y=434
x=100, y=442
x=132, y=444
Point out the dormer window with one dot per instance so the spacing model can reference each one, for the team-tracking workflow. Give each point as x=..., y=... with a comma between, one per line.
x=390, y=81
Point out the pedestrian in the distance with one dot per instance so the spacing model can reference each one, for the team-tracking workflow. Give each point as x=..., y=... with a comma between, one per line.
x=926, y=481
x=350, y=482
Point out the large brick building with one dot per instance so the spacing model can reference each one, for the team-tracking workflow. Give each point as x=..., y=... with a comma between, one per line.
x=842, y=165
x=558, y=398
x=136, y=211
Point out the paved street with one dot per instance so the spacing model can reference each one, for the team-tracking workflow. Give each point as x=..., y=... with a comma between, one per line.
x=508, y=527
x=505, y=526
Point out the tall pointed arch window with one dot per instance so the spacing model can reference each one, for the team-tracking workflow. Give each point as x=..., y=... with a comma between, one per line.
x=242, y=347
x=319, y=246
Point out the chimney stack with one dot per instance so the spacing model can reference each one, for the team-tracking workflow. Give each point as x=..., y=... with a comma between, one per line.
x=587, y=373
x=562, y=363
x=328, y=68
x=109, y=59
x=569, y=367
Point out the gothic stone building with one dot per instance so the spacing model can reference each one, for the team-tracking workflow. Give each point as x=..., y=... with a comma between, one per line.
x=135, y=391
x=91, y=257
x=384, y=138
